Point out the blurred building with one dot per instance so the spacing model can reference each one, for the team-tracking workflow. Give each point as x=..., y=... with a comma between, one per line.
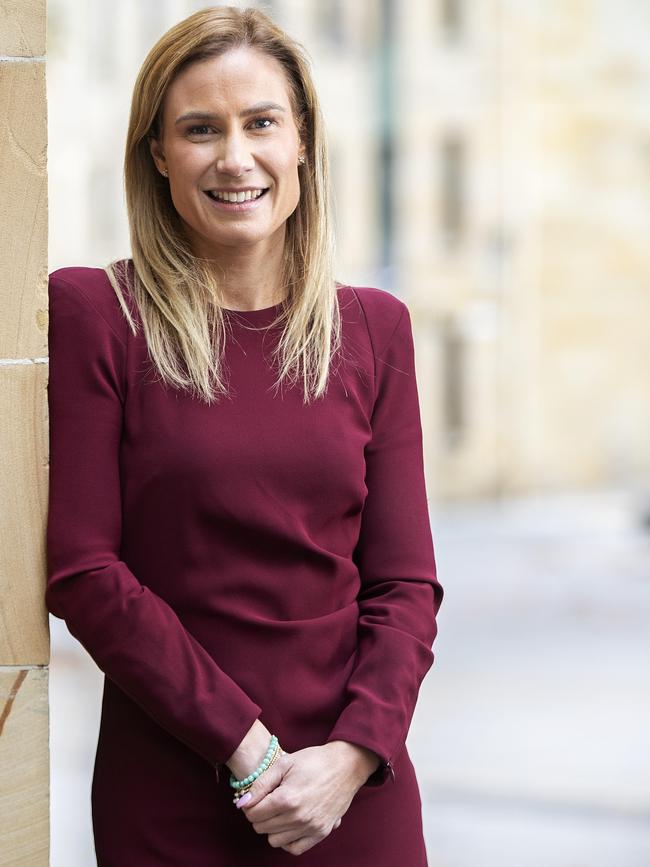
x=491, y=163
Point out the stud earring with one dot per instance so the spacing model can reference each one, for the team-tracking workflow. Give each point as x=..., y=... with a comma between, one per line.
x=301, y=160
x=165, y=173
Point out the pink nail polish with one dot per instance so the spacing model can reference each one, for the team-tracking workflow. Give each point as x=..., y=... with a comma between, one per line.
x=244, y=799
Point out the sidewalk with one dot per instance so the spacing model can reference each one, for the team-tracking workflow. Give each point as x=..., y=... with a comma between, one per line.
x=531, y=734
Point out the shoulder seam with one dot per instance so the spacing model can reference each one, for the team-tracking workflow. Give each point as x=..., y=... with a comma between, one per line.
x=92, y=304
x=365, y=318
x=372, y=344
x=394, y=331
x=402, y=307
x=376, y=356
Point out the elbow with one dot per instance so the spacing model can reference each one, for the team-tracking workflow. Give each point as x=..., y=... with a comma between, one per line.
x=63, y=590
x=436, y=601
x=438, y=594
x=53, y=598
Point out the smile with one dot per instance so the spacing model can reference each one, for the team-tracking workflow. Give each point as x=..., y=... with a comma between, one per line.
x=248, y=204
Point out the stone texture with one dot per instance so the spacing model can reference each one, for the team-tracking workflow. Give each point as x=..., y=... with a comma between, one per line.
x=23, y=491
x=24, y=759
x=23, y=210
x=22, y=28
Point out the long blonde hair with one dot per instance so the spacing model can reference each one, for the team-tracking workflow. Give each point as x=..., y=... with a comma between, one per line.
x=175, y=292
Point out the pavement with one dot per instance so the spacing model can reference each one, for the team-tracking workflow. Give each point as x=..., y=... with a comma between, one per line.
x=530, y=739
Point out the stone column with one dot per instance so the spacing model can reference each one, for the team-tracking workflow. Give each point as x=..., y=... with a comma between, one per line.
x=24, y=636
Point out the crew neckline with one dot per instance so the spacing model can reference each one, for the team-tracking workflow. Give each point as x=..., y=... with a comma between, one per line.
x=259, y=316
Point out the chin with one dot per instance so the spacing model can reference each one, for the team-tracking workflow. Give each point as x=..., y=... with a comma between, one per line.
x=239, y=239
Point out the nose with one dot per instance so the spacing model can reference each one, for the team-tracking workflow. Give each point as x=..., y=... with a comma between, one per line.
x=234, y=158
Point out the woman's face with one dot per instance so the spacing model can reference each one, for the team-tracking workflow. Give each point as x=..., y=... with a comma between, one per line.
x=244, y=139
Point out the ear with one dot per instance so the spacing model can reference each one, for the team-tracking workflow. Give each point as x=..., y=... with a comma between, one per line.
x=157, y=154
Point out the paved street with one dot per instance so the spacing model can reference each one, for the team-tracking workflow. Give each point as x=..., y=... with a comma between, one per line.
x=530, y=739
x=531, y=735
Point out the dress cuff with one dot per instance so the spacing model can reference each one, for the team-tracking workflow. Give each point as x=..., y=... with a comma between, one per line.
x=384, y=772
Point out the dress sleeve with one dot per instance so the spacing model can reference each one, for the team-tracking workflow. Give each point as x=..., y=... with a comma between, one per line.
x=132, y=634
x=400, y=595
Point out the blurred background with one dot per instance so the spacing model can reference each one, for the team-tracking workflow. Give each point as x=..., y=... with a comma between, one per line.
x=491, y=167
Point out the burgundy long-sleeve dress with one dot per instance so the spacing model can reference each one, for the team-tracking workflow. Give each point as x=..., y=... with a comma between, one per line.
x=255, y=558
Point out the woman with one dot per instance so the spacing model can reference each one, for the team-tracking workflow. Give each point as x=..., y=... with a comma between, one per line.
x=241, y=563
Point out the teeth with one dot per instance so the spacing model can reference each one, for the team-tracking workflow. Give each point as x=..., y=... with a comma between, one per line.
x=236, y=197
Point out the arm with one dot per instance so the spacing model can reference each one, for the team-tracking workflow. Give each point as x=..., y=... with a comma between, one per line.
x=133, y=635
x=400, y=594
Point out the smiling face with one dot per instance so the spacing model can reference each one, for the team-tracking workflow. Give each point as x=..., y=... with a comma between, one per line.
x=243, y=136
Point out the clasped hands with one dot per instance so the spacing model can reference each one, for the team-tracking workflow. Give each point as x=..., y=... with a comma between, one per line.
x=300, y=799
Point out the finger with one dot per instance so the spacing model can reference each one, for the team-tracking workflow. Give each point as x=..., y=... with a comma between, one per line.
x=279, y=811
x=297, y=845
x=282, y=838
x=279, y=825
x=301, y=845
x=263, y=786
x=272, y=807
x=290, y=840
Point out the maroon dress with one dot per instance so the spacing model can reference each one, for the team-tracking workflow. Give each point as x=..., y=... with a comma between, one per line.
x=255, y=558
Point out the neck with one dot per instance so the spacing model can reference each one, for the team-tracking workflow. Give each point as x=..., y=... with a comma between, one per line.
x=249, y=275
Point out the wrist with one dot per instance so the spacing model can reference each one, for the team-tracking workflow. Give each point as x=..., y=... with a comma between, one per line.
x=251, y=751
x=364, y=761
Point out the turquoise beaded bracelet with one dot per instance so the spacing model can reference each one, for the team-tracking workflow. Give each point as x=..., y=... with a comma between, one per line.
x=240, y=784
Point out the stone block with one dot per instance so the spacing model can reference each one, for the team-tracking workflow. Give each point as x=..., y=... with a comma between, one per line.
x=24, y=759
x=23, y=28
x=23, y=210
x=24, y=636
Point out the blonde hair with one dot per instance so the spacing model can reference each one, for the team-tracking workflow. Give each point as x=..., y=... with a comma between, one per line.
x=175, y=292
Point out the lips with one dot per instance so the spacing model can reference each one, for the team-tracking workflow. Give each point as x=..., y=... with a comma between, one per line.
x=259, y=191
x=235, y=207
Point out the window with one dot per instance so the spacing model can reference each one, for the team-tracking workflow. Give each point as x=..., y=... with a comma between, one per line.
x=386, y=157
x=453, y=386
x=452, y=19
x=452, y=195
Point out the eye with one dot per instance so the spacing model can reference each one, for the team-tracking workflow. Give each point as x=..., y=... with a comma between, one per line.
x=192, y=130
x=262, y=119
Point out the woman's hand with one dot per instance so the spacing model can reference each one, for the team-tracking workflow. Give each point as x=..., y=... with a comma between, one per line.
x=301, y=798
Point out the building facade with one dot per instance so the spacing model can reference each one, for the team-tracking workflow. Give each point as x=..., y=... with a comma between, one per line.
x=491, y=166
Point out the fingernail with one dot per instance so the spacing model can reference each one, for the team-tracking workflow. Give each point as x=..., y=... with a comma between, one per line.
x=244, y=799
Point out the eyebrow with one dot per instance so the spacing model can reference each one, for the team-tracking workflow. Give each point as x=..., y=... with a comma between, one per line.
x=206, y=115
